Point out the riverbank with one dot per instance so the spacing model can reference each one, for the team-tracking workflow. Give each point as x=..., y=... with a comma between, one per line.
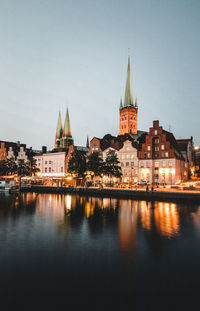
x=120, y=193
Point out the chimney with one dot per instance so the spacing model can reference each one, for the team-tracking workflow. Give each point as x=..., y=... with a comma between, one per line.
x=44, y=149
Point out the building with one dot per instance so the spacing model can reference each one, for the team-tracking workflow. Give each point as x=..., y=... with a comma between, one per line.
x=16, y=151
x=129, y=110
x=197, y=160
x=128, y=157
x=63, y=137
x=52, y=164
x=186, y=149
x=160, y=160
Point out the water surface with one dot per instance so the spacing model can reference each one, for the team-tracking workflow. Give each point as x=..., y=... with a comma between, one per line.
x=103, y=254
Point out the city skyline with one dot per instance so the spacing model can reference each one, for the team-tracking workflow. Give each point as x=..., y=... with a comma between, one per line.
x=73, y=55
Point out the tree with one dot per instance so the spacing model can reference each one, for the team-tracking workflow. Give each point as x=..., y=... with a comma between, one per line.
x=111, y=165
x=32, y=166
x=77, y=164
x=95, y=163
x=11, y=166
x=3, y=167
x=23, y=168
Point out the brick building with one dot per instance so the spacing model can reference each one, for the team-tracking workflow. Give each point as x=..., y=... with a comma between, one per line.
x=160, y=159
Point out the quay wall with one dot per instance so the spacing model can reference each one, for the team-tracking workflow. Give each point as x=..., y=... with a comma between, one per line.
x=119, y=193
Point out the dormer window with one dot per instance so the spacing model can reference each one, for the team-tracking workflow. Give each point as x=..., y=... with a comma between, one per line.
x=156, y=132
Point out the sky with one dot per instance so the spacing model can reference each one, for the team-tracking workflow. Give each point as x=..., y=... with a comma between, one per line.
x=56, y=54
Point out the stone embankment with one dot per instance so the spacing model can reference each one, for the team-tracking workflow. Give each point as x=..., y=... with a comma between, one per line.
x=169, y=195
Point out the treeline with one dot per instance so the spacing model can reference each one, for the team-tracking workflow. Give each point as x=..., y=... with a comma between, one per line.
x=19, y=167
x=93, y=165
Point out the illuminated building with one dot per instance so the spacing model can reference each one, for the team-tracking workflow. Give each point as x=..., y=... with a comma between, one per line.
x=129, y=110
x=160, y=160
x=51, y=164
x=128, y=156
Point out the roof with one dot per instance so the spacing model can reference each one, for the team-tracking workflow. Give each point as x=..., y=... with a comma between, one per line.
x=173, y=142
x=183, y=144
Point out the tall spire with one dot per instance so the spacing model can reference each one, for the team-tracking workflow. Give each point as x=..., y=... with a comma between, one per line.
x=128, y=98
x=87, y=143
x=59, y=127
x=67, y=128
x=136, y=103
x=121, y=106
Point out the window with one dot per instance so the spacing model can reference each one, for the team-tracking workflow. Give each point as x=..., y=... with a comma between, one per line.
x=45, y=162
x=148, y=155
x=45, y=169
x=156, y=148
x=170, y=163
x=148, y=164
x=50, y=162
x=142, y=164
x=127, y=156
x=156, y=164
x=162, y=147
x=148, y=148
x=123, y=156
x=61, y=169
x=49, y=169
x=166, y=154
x=163, y=164
x=132, y=163
x=155, y=132
x=162, y=154
x=122, y=164
x=156, y=141
x=127, y=148
x=127, y=163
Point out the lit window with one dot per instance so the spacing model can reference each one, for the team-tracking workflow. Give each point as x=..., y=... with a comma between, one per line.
x=148, y=148
x=127, y=156
x=156, y=148
x=170, y=163
x=166, y=154
x=163, y=164
x=142, y=164
x=148, y=155
x=162, y=147
x=148, y=164
x=155, y=132
x=156, y=164
x=162, y=154
x=127, y=148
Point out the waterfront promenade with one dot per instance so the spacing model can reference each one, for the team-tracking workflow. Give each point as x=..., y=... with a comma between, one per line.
x=141, y=193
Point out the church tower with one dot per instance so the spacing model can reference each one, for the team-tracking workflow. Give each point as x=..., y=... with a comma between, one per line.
x=67, y=135
x=63, y=137
x=129, y=110
x=59, y=133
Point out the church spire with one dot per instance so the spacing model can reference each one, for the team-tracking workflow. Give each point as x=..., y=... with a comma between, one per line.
x=59, y=127
x=67, y=128
x=87, y=142
x=128, y=98
x=121, y=106
x=136, y=103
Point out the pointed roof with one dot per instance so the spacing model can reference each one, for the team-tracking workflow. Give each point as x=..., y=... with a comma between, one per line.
x=121, y=103
x=67, y=128
x=59, y=126
x=136, y=103
x=87, y=143
x=128, y=98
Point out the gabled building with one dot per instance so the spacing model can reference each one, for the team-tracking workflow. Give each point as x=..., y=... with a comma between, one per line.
x=15, y=150
x=160, y=159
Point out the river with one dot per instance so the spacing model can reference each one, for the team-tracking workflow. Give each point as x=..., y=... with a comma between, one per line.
x=99, y=254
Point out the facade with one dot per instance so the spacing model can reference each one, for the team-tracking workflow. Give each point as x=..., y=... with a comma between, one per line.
x=51, y=164
x=160, y=160
x=186, y=149
x=197, y=160
x=129, y=110
x=63, y=137
x=128, y=157
x=15, y=150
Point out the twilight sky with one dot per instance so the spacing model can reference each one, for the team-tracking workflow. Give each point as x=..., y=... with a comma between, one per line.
x=59, y=53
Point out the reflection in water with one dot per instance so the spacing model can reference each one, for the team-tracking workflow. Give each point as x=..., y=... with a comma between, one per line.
x=166, y=219
x=76, y=244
